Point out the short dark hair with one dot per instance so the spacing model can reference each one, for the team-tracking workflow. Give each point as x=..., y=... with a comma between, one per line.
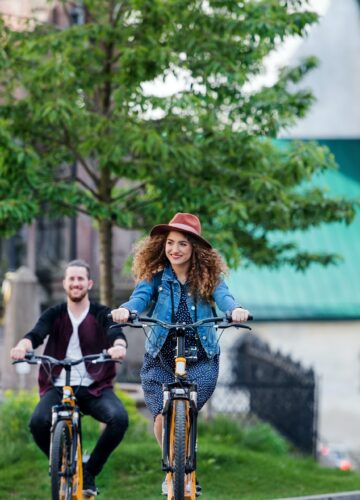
x=78, y=263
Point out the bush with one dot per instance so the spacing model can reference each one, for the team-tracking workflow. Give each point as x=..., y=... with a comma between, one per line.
x=15, y=412
x=251, y=434
x=138, y=424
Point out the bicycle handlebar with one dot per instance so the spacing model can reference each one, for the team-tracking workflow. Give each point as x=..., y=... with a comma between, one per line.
x=222, y=321
x=35, y=359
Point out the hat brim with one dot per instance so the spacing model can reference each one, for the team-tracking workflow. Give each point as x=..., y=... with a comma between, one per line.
x=165, y=228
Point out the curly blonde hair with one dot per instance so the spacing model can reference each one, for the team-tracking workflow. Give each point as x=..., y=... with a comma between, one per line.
x=206, y=266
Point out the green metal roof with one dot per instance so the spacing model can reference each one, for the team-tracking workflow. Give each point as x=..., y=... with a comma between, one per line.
x=319, y=293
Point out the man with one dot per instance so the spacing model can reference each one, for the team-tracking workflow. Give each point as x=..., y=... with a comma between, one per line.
x=74, y=329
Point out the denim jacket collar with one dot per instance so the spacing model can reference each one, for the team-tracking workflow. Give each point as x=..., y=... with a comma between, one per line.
x=169, y=274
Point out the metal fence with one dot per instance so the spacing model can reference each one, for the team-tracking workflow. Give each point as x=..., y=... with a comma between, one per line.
x=280, y=390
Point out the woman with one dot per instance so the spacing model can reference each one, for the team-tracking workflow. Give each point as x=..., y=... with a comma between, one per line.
x=179, y=269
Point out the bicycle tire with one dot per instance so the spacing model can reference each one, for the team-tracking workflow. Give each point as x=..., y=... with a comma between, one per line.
x=61, y=456
x=179, y=449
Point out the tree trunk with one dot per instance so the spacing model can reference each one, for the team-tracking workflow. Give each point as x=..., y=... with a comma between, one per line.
x=106, y=278
x=105, y=236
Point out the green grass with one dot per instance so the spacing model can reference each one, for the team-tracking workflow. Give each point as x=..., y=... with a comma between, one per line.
x=235, y=461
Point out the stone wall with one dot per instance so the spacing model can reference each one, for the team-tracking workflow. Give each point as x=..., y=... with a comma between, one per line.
x=22, y=309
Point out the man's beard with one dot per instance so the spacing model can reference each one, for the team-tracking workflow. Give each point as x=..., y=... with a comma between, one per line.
x=77, y=298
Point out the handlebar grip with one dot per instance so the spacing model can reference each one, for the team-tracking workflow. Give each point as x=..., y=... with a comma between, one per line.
x=133, y=315
x=229, y=318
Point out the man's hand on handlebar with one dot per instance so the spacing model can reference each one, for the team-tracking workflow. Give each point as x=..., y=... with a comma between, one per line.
x=120, y=315
x=238, y=315
x=18, y=352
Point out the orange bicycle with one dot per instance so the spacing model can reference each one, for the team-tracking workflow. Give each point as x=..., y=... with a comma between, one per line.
x=180, y=407
x=65, y=459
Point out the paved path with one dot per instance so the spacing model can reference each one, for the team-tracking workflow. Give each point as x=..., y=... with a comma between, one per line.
x=350, y=495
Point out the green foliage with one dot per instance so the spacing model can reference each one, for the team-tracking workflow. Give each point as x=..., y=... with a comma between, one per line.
x=240, y=432
x=134, y=469
x=15, y=411
x=138, y=424
x=17, y=407
x=82, y=95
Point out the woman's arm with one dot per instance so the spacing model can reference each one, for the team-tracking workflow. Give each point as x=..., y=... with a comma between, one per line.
x=226, y=302
x=224, y=298
x=139, y=301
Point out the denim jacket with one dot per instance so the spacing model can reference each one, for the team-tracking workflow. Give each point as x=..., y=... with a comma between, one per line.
x=145, y=292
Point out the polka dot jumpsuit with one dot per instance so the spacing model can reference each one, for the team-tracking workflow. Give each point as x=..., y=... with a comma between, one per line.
x=203, y=371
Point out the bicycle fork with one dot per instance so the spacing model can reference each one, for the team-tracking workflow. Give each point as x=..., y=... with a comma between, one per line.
x=188, y=394
x=69, y=413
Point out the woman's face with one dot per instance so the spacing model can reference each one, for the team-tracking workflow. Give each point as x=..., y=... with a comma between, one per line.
x=178, y=248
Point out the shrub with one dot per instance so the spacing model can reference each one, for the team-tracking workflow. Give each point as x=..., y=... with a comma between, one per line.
x=138, y=424
x=17, y=407
x=15, y=411
x=251, y=434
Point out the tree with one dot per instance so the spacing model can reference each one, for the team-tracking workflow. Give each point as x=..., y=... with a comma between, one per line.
x=82, y=95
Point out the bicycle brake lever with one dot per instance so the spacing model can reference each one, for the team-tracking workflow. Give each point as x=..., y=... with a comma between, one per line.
x=222, y=325
x=234, y=325
x=241, y=325
x=30, y=361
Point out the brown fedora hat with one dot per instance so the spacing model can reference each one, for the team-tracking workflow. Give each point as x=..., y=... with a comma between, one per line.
x=185, y=223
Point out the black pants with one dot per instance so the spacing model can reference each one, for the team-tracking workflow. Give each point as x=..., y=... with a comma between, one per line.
x=106, y=408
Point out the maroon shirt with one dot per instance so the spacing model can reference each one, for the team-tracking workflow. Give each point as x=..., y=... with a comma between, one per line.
x=95, y=335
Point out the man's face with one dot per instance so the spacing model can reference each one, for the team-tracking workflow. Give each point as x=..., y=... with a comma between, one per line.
x=76, y=283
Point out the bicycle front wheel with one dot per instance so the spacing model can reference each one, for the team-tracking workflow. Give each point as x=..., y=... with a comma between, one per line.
x=179, y=449
x=61, y=457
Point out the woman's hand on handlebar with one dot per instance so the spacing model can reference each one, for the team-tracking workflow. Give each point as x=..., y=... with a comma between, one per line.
x=120, y=315
x=238, y=315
